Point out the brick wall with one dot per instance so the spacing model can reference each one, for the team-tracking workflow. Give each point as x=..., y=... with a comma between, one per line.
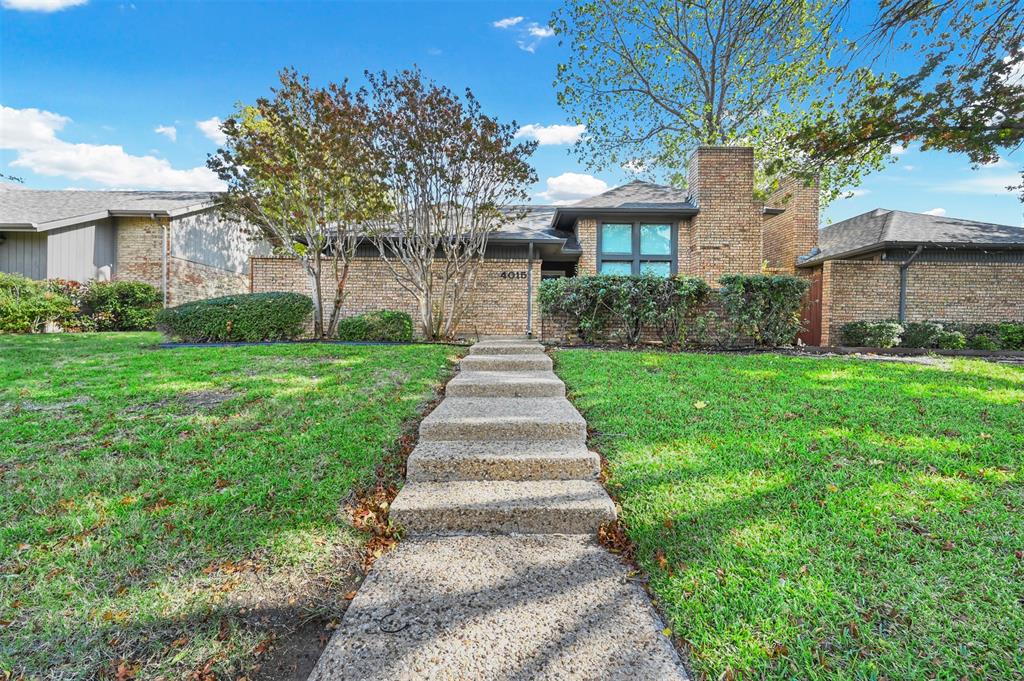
x=795, y=231
x=586, y=234
x=140, y=249
x=725, y=237
x=497, y=304
x=854, y=290
x=189, y=281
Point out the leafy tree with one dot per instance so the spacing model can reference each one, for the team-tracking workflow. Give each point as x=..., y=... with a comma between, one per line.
x=301, y=171
x=451, y=172
x=652, y=79
x=964, y=91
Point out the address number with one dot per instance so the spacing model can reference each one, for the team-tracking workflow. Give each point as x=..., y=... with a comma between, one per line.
x=513, y=275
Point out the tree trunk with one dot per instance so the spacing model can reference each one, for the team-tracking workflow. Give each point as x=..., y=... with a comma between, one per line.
x=339, y=296
x=313, y=272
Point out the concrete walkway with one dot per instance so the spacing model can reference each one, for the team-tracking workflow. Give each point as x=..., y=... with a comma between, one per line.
x=499, y=575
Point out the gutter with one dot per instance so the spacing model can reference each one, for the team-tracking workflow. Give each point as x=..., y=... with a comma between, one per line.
x=529, y=292
x=904, y=266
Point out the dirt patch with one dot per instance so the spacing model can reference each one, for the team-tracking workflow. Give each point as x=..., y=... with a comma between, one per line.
x=202, y=400
x=29, y=405
x=292, y=657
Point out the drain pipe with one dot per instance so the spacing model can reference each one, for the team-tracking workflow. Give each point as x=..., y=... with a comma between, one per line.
x=904, y=266
x=163, y=258
x=529, y=291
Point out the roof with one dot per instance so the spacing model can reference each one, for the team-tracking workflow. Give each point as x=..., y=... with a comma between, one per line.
x=882, y=228
x=41, y=210
x=639, y=195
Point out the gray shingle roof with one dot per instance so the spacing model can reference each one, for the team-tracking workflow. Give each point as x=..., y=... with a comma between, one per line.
x=881, y=228
x=639, y=195
x=46, y=209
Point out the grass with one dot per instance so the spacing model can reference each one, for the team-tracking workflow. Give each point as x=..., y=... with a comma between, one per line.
x=820, y=518
x=170, y=511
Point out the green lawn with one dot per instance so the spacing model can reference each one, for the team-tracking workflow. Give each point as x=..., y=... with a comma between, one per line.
x=168, y=511
x=820, y=518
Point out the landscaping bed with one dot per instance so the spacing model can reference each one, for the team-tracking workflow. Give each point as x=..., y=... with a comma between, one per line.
x=167, y=514
x=819, y=517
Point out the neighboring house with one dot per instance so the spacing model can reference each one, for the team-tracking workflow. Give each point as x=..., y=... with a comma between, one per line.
x=173, y=240
x=890, y=264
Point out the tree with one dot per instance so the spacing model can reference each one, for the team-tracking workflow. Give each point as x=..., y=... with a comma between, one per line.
x=963, y=91
x=652, y=79
x=301, y=171
x=451, y=174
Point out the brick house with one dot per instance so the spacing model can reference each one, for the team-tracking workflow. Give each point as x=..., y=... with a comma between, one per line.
x=173, y=240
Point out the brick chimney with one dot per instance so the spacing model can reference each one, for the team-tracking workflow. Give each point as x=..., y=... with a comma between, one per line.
x=794, y=232
x=725, y=236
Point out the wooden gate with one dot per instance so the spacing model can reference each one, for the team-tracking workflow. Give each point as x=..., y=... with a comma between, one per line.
x=811, y=312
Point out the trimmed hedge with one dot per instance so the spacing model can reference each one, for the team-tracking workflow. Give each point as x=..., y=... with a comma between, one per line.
x=26, y=306
x=380, y=325
x=121, y=305
x=249, y=317
x=764, y=308
x=929, y=335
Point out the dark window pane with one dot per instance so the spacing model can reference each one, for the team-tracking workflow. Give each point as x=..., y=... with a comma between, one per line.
x=656, y=239
x=617, y=267
x=616, y=238
x=661, y=269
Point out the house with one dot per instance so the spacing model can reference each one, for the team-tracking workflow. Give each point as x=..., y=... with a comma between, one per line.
x=175, y=241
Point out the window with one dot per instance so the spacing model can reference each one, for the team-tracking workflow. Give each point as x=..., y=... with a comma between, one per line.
x=634, y=248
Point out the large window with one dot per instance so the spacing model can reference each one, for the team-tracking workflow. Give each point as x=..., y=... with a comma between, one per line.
x=636, y=248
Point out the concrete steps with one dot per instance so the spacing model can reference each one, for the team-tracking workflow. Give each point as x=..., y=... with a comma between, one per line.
x=505, y=384
x=502, y=507
x=504, y=452
x=503, y=418
x=511, y=460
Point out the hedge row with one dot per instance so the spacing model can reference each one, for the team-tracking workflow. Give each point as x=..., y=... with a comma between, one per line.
x=932, y=335
x=381, y=325
x=27, y=306
x=247, y=317
x=758, y=308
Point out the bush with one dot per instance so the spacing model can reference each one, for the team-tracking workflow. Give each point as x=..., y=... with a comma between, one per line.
x=26, y=306
x=951, y=340
x=871, y=334
x=382, y=325
x=593, y=303
x=1011, y=335
x=921, y=335
x=121, y=305
x=982, y=342
x=248, y=317
x=764, y=308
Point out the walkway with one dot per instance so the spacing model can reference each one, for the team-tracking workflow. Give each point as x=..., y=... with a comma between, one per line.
x=499, y=575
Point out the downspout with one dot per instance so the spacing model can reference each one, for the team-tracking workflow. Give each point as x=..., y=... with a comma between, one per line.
x=163, y=258
x=904, y=266
x=529, y=291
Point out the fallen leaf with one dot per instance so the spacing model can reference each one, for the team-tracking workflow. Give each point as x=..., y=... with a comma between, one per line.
x=699, y=405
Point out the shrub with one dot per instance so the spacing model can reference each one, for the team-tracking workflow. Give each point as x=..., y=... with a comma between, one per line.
x=76, y=318
x=871, y=334
x=764, y=308
x=921, y=335
x=1011, y=335
x=982, y=342
x=121, y=305
x=382, y=325
x=951, y=340
x=26, y=306
x=247, y=317
x=593, y=303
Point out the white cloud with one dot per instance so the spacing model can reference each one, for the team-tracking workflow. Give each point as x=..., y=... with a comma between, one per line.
x=856, y=193
x=991, y=184
x=938, y=212
x=507, y=22
x=32, y=134
x=168, y=131
x=636, y=166
x=40, y=5
x=908, y=168
x=897, y=149
x=211, y=128
x=571, y=187
x=538, y=31
x=552, y=134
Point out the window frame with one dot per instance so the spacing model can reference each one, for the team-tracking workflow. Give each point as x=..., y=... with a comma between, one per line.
x=636, y=257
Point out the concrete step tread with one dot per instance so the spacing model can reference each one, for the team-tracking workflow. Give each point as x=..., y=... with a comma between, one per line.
x=532, y=362
x=503, y=418
x=506, y=384
x=507, y=348
x=502, y=506
x=510, y=460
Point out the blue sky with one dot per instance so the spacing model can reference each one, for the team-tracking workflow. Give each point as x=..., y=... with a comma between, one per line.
x=87, y=85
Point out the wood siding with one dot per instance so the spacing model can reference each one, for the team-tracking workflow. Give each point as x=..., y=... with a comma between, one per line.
x=24, y=253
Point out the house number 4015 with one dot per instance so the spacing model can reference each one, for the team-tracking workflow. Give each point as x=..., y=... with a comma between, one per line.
x=511, y=274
